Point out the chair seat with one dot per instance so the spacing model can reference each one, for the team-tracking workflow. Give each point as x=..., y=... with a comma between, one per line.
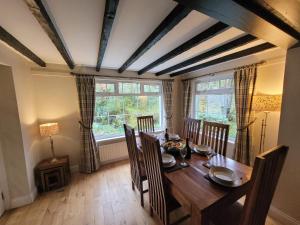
x=143, y=171
x=230, y=215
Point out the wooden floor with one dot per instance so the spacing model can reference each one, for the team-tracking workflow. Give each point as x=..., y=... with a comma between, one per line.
x=102, y=198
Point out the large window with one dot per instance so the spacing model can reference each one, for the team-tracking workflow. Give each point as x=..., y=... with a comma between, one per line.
x=214, y=101
x=119, y=102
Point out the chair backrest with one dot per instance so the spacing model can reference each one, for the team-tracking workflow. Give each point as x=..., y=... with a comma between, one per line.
x=145, y=123
x=191, y=129
x=215, y=135
x=153, y=167
x=133, y=154
x=265, y=175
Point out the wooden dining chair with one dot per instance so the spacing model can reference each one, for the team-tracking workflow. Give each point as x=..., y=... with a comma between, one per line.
x=161, y=201
x=264, y=178
x=215, y=135
x=191, y=130
x=137, y=168
x=145, y=123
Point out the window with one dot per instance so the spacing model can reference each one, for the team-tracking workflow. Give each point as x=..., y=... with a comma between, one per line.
x=119, y=102
x=214, y=101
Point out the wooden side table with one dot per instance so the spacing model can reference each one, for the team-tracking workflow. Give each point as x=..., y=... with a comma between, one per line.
x=52, y=175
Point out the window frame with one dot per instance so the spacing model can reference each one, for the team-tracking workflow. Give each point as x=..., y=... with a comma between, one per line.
x=221, y=91
x=142, y=93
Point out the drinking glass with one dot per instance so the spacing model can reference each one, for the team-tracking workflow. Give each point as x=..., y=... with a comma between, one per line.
x=209, y=157
x=183, y=153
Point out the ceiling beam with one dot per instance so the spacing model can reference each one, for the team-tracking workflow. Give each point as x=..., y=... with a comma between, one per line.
x=108, y=20
x=43, y=17
x=196, y=40
x=267, y=15
x=175, y=16
x=17, y=45
x=215, y=51
x=236, y=55
x=235, y=15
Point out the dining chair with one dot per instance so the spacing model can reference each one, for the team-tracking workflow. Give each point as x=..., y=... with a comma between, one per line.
x=215, y=135
x=137, y=168
x=145, y=123
x=264, y=178
x=161, y=201
x=191, y=129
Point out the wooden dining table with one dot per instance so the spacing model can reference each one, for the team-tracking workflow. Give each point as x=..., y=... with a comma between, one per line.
x=200, y=196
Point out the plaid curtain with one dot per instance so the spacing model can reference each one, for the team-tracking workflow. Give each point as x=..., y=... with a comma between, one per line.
x=244, y=83
x=89, y=158
x=167, y=87
x=187, y=93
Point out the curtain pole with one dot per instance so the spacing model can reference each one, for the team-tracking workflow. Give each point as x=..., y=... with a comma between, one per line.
x=119, y=77
x=220, y=71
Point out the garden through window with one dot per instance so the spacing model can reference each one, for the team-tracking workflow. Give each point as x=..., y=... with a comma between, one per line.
x=214, y=101
x=119, y=102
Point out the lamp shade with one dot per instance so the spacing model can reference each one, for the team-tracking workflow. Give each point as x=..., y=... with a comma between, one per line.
x=49, y=129
x=266, y=103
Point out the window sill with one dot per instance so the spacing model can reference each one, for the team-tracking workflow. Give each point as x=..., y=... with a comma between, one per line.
x=113, y=140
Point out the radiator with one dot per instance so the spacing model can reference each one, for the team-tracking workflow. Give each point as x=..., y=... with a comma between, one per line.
x=113, y=152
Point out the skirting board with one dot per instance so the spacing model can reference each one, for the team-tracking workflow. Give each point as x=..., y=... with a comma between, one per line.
x=282, y=217
x=23, y=200
x=114, y=160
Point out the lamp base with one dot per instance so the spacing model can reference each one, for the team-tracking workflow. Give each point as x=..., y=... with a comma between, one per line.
x=54, y=160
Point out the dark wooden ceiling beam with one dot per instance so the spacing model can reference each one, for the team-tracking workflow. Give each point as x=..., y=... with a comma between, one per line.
x=108, y=20
x=174, y=17
x=38, y=9
x=18, y=46
x=196, y=40
x=233, y=56
x=235, y=15
x=267, y=15
x=215, y=51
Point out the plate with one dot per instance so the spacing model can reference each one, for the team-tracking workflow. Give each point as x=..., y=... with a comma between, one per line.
x=167, y=158
x=224, y=176
x=171, y=164
x=172, y=144
x=202, y=149
x=174, y=137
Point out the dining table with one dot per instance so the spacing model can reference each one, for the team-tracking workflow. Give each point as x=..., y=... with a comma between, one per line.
x=199, y=195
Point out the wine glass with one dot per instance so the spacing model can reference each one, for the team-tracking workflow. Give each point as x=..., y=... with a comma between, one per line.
x=209, y=156
x=183, y=153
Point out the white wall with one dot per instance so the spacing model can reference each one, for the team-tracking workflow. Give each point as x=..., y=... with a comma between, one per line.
x=28, y=125
x=287, y=197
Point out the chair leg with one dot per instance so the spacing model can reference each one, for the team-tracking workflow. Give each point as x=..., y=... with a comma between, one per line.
x=168, y=219
x=132, y=185
x=151, y=211
x=142, y=194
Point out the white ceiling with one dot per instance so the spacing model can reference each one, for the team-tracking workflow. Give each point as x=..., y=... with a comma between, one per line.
x=80, y=24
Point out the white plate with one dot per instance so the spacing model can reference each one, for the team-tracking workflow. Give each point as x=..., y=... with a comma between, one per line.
x=167, y=158
x=203, y=149
x=173, y=163
x=174, y=137
x=224, y=176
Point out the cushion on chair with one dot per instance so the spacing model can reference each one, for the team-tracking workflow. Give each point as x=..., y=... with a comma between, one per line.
x=230, y=215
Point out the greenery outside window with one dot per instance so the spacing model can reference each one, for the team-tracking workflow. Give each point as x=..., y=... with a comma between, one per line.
x=121, y=101
x=214, y=101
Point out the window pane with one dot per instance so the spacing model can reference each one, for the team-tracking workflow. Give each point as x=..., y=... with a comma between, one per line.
x=218, y=108
x=105, y=88
x=151, y=88
x=111, y=112
x=129, y=88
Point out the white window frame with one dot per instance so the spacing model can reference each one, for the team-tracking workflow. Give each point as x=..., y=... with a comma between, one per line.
x=142, y=93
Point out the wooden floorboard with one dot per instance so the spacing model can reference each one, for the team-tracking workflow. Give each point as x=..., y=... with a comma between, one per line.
x=102, y=198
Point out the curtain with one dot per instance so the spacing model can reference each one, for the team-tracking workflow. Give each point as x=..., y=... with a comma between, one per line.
x=89, y=158
x=244, y=84
x=187, y=97
x=167, y=87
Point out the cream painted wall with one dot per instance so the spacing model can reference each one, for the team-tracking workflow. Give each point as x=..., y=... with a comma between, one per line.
x=269, y=81
x=28, y=123
x=287, y=197
x=56, y=101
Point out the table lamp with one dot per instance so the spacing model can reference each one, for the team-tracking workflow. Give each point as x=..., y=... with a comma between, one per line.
x=265, y=103
x=48, y=130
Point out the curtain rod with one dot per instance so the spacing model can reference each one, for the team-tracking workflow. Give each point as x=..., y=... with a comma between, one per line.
x=220, y=71
x=119, y=77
